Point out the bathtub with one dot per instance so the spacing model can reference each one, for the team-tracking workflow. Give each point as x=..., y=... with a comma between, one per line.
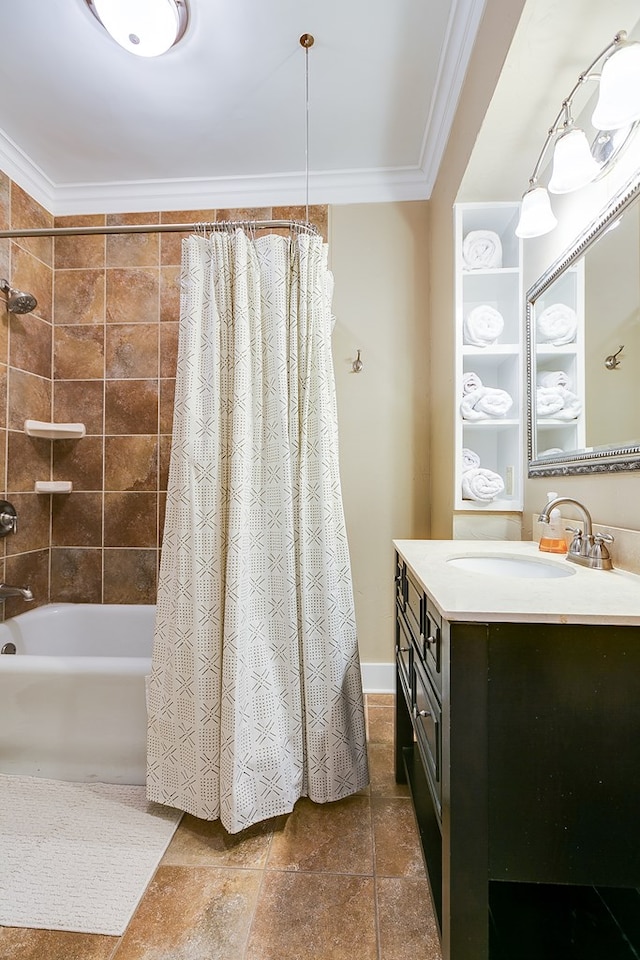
x=72, y=698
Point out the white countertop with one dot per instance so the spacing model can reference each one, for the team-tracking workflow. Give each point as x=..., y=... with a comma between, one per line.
x=587, y=596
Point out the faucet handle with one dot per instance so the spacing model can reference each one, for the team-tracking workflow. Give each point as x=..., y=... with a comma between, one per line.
x=576, y=544
x=8, y=518
x=599, y=553
x=603, y=538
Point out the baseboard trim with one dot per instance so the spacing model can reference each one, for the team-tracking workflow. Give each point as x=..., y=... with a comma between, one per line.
x=378, y=677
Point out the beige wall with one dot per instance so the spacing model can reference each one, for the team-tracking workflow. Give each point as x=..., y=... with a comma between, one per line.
x=496, y=30
x=379, y=258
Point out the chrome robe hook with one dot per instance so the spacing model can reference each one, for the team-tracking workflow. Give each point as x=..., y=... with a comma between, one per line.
x=611, y=362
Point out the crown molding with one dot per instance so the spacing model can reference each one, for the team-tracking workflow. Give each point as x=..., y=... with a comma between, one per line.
x=17, y=165
x=337, y=187
x=462, y=29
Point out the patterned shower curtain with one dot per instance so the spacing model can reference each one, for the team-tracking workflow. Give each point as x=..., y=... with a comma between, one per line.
x=255, y=696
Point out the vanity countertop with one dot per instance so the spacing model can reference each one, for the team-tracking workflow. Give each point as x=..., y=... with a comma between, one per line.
x=588, y=596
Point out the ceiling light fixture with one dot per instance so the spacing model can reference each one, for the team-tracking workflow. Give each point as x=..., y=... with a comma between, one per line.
x=147, y=28
x=576, y=162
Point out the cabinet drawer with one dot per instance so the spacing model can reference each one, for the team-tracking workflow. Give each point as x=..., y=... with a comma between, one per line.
x=427, y=717
x=404, y=654
x=431, y=648
x=414, y=606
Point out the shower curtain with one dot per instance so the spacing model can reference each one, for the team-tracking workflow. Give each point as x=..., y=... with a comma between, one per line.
x=255, y=696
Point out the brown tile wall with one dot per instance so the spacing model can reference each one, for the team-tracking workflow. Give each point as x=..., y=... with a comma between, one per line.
x=25, y=392
x=101, y=349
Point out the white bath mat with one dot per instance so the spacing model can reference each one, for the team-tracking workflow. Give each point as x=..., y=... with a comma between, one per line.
x=77, y=856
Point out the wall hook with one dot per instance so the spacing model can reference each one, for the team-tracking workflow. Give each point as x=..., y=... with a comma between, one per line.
x=356, y=366
x=611, y=362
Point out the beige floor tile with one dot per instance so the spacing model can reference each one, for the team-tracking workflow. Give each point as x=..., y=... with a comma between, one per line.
x=193, y=913
x=304, y=916
x=206, y=843
x=396, y=841
x=405, y=920
x=380, y=724
x=382, y=772
x=380, y=699
x=325, y=838
x=17, y=943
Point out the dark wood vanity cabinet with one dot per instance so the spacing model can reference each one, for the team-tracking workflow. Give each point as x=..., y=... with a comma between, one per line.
x=521, y=745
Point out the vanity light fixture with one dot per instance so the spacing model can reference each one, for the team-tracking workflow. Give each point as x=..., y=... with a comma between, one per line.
x=147, y=28
x=575, y=162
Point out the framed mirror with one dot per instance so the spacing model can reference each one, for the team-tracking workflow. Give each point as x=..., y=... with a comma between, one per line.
x=583, y=349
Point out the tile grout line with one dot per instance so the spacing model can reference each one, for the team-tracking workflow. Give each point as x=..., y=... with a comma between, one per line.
x=259, y=894
x=376, y=917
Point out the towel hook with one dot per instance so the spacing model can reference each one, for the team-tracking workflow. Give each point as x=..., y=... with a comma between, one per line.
x=611, y=362
x=356, y=366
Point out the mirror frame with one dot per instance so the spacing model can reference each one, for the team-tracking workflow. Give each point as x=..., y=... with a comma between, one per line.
x=613, y=459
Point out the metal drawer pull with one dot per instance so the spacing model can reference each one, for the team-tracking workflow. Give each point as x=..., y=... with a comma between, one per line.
x=430, y=640
x=421, y=713
x=403, y=649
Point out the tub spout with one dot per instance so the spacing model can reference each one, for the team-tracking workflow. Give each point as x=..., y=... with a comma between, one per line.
x=7, y=591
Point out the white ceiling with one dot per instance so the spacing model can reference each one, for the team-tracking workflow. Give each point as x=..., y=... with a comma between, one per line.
x=220, y=119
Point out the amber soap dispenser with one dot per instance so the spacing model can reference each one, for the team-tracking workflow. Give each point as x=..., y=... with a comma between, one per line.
x=551, y=535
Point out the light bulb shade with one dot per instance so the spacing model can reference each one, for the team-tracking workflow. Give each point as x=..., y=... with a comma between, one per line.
x=536, y=215
x=573, y=164
x=147, y=28
x=619, y=97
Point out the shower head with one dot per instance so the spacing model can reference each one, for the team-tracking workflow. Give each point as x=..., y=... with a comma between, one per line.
x=17, y=300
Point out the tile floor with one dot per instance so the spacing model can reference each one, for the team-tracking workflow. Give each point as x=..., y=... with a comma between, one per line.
x=341, y=881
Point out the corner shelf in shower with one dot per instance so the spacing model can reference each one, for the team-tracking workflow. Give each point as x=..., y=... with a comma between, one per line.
x=53, y=486
x=54, y=431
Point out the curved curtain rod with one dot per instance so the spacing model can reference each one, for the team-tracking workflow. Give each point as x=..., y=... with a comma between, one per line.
x=294, y=225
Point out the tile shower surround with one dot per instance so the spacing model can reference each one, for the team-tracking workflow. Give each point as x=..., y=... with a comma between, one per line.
x=101, y=348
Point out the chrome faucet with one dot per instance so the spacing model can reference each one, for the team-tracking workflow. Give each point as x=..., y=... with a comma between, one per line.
x=586, y=548
x=7, y=591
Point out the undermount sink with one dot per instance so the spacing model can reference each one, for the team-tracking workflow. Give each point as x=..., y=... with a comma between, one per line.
x=511, y=566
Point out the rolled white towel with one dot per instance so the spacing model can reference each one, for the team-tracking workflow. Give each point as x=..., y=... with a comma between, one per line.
x=557, y=402
x=481, y=484
x=571, y=405
x=554, y=378
x=485, y=403
x=551, y=452
x=549, y=401
x=470, y=459
x=482, y=326
x=470, y=381
x=557, y=324
x=482, y=249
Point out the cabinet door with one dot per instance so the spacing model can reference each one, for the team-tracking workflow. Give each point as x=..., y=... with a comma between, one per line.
x=428, y=726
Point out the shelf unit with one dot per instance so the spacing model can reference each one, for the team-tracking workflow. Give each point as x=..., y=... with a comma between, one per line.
x=566, y=435
x=499, y=442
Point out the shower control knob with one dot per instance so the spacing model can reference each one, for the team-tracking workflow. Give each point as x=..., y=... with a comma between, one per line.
x=8, y=518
